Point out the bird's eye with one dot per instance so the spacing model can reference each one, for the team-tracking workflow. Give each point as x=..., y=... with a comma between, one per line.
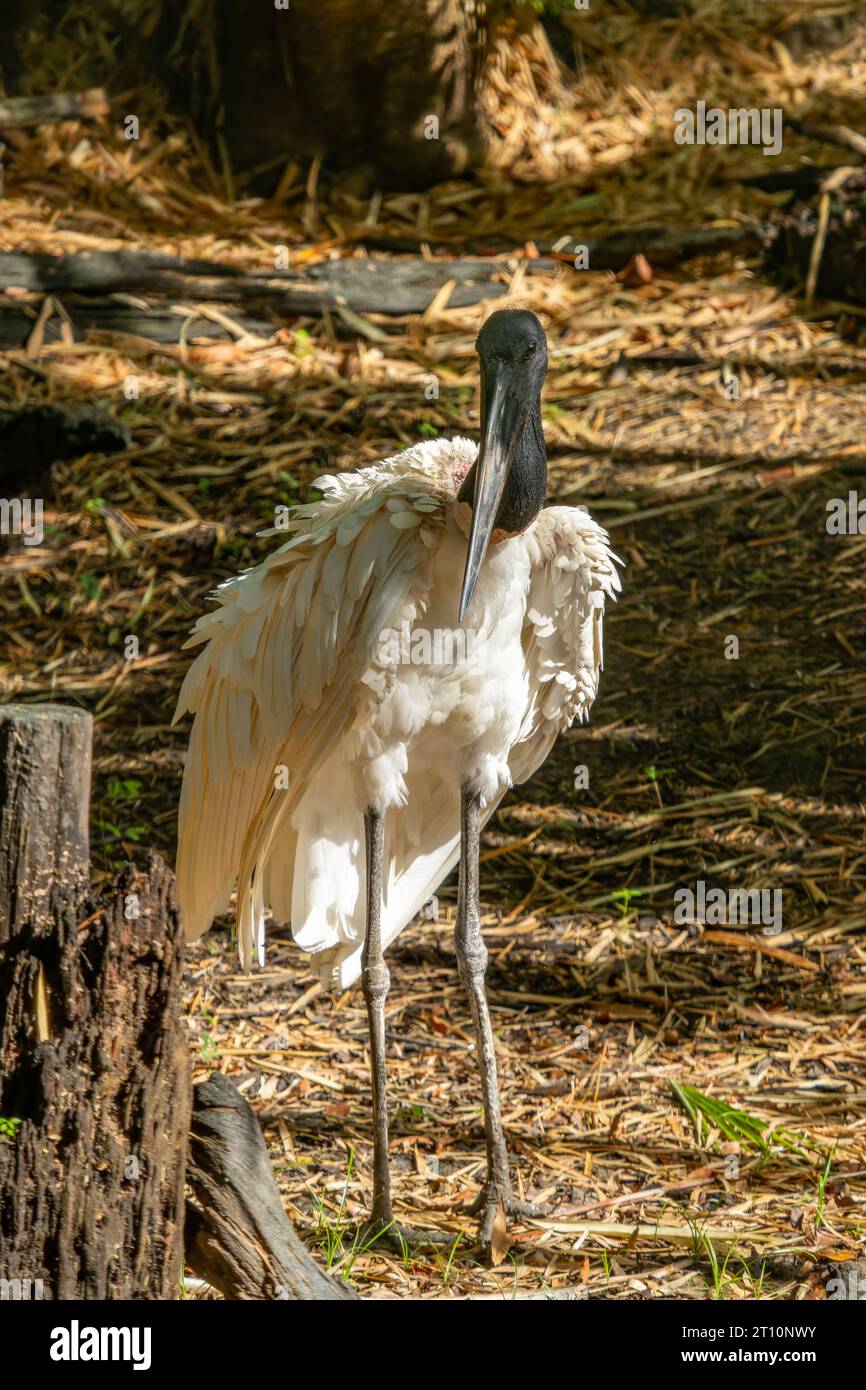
x=530, y=351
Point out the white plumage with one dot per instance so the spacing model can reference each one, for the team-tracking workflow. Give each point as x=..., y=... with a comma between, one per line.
x=318, y=692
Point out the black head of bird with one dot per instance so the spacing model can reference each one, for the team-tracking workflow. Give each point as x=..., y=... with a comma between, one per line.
x=507, y=483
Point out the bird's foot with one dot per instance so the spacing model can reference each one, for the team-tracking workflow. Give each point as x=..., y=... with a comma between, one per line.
x=385, y=1233
x=499, y=1194
x=495, y=1203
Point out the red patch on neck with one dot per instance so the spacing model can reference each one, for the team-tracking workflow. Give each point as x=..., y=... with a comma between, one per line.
x=459, y=471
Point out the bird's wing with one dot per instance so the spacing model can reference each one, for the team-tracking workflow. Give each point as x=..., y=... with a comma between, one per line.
x=573, y=572
x=282, y=673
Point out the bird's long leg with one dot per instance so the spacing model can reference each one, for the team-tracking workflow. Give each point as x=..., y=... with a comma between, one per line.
x=375, y=981
x=472, y=964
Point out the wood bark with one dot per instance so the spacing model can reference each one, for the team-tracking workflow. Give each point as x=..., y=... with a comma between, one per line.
x=44, y=796
x=94, y=1075
x=238, y=1236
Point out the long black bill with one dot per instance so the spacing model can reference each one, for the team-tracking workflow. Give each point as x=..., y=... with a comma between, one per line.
x=504, y=408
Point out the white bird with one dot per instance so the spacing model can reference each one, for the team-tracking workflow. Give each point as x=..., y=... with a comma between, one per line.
x=366, y=695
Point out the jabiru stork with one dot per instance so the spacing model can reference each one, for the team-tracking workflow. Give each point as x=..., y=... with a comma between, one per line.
x=338, y=765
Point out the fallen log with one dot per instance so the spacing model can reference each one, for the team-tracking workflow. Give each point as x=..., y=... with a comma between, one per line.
x=841, y=135
x=18, y=112
x=238, y=1238
x=807, y=179
x=364, y=285
x=662, y=245
x=180, y=292
x=112, y=319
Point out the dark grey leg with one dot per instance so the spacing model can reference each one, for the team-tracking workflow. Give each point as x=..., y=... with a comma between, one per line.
x=375, y=980
x=382, y=1229
x=472, y=964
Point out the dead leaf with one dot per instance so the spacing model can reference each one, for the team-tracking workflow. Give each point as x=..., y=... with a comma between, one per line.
x=637, y=272
x=500, y=1242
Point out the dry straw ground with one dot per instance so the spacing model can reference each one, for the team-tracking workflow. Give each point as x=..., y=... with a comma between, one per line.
x=744, y=773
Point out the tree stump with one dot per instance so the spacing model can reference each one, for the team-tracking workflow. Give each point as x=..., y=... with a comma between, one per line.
x=95, y=1088
x=357, y=83
x=95, y=1092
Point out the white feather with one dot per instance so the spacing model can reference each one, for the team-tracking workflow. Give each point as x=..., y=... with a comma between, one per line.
x=296, y=673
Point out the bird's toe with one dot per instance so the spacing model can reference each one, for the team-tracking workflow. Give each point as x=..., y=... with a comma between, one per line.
x=494, y=1195
x=380, y=1234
